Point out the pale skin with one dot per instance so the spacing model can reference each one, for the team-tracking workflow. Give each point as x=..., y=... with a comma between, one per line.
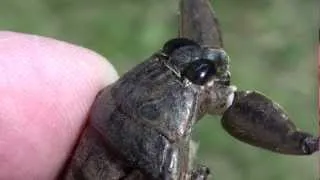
x=47, y=87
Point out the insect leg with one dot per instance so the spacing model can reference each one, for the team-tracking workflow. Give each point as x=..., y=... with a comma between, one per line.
x=255, y=119
x=200, y=173
x=92, y=160
x=199, y=23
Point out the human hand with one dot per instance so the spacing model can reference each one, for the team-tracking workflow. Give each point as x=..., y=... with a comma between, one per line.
x=47, y=88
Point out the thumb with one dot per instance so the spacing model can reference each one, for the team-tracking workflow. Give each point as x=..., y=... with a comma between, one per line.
x=47, y=87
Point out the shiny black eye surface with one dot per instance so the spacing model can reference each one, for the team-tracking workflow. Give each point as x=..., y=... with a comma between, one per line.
x=219, y=57
x=174, y=44
x=199, y=72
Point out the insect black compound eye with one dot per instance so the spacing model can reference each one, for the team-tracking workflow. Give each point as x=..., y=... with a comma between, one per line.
x=217, y=56
x=174, y=44
x=199, y=72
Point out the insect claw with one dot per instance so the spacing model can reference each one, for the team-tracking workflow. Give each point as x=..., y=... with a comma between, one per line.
x=310, y=145
x=200, y=173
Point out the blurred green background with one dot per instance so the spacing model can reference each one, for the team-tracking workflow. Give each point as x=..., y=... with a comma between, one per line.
x=271, y=44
